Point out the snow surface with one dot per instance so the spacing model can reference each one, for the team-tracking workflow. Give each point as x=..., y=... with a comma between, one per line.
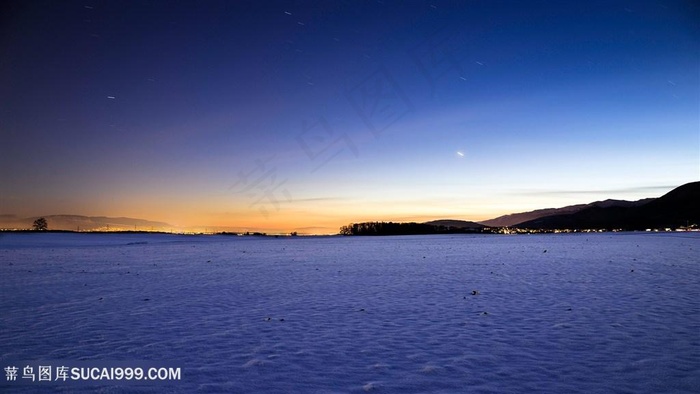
x=441, y=314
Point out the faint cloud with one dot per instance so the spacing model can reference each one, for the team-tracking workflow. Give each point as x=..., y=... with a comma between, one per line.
x=319, y=199
x=628, y=190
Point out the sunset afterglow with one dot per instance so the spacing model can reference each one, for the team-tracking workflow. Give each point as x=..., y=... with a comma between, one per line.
x=278, y=117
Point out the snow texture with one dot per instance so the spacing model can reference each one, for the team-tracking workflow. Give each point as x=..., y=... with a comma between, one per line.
x=576, y=313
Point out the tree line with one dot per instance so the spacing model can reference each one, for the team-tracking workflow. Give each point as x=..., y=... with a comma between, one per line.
x=391, y=228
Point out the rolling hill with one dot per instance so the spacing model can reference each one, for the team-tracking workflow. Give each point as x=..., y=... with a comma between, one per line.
x=84, y=223
x=677, y=208
x=517, y=218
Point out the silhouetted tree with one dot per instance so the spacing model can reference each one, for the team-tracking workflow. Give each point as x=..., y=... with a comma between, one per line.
x=40, y=225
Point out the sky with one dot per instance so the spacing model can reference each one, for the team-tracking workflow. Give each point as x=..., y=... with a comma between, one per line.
x=283, y=116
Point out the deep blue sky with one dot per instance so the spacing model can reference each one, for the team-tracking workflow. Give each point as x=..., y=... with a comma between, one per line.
x=294, y=115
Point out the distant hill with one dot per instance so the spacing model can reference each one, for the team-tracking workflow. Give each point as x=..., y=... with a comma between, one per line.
x=84, y=223
x=679, y=207
x=517, y=218
x=449, y=223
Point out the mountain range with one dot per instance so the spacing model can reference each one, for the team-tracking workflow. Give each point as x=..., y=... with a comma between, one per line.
x=677, y=208
x=522, y=217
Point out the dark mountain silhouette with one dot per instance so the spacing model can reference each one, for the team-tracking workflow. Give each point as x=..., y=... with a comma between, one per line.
x=677, y=208
x=517, y=218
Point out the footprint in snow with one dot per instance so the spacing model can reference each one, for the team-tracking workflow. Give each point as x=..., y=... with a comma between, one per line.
x=430, y=369
x=254, y=363
x=369, y=387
